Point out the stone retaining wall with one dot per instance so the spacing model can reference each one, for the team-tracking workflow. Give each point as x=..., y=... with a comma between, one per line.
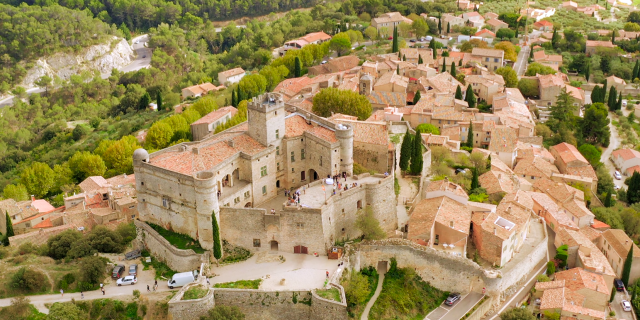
x=177, y=259
x=190, y=309
x=482, y=310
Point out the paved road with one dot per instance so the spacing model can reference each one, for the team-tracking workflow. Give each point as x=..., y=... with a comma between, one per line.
x=617, y=307
x=614, y=143
x=521, y=65
x=458, y=310
x=138, y=63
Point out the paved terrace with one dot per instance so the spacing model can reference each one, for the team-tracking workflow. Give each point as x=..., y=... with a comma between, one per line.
x=314, y=196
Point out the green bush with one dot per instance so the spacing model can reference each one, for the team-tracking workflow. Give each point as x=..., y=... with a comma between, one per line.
x=195, y=292
x=29, y=280
x=178, y=240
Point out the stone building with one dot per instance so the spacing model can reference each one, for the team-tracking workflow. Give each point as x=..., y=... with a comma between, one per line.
x=246, y=167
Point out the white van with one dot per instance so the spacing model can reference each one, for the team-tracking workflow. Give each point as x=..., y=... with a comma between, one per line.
x=180, y=279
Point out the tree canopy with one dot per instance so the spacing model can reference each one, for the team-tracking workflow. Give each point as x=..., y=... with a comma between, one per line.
x=333, y=100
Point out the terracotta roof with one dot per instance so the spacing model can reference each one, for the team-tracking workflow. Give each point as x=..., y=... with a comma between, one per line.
x=93, y=183
x=591, y=233
x=213, y=116
x=633, y=169
x=496, y=181
x=43, y=206
x=498, y=165
x=549, y=285
x=9, y=206
x=445, y=185
x=593, y=43
x=296, y=126
x=442, y=210
x=592, y=258
x=315, y=36
x=388, y=98
x=496, y=23
x=450, y=113
x=293, y=86
x=485, y=32
x=487, y=52
x=44, y=224
x=578, y=279
x=369, y=131
x=626, y=154
x=392, y=77
x=553, y=209
x=569, y=153
x=534, y=166
x=520, y=197
x=503, y=139
x=620, y=242
x=232, y=72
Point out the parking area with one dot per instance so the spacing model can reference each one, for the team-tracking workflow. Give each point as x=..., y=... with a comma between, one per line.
x=458, y=310
x=616, y=306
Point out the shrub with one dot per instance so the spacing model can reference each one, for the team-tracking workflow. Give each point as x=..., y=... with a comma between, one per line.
x=79, y=249
x=28, y=280
x=136, y=294
x=104, y=240
x=195, y=292
x=27, y=248
x=60, y=244
x=92, y=270
x=224, y=313
x=127, y=231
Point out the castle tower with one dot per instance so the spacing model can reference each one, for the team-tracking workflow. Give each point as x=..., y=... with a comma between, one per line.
x=366, y=84
x=266, y=118
x=206, y=205
x=140, y=156
x=344, y=134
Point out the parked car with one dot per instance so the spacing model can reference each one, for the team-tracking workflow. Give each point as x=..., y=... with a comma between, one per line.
x=180, y=279
x=117, y=271
x=324, y=61
x=412, y=40
x=428, y=38
x=619, y=285
x=626, y=306
x=390, y=38
x=133, y=270
x=144, y=56
x=461, y=171
x=127, y=280
x=617, y=175
x=452, y=298
x=616, y=188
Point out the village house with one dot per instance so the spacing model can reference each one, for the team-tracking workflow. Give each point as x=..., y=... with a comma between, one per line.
x=618, y=83
x=310, y=38
x=551, y=86
x=537, y=14
x=231, y=76
x=570, y=161
x=550, y=60
x=490, y=15
x=626, y=160
x=486, y=35
x=467, y=5
x=496, y=25
x=207, y=124
x=543, y=25
x=554, y=215
x=569, y=199
x=593, y=45
x=533, y=168
x=335, y=65
x=584, y=253
x=451, y=21
x=504, y=142
x=199, y=90
x=473, y=19
x=490, y=58
x=615, y=244
x=486, y=85
x=387, y=21
x=392, y=82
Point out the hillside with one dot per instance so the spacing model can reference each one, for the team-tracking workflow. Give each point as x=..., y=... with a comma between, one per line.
x=31, y=32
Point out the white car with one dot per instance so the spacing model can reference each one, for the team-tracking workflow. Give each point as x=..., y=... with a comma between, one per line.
x=616, y=187
x=127, y=280
x=617, y=175
x=626, y=306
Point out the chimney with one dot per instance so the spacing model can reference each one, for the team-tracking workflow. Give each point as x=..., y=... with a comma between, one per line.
x=33, y=198
x=195, y=150
x=451, y=223
x=494, y=230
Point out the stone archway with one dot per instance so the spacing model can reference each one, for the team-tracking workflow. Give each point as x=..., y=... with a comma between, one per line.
x=274, y=245
x=312, y=175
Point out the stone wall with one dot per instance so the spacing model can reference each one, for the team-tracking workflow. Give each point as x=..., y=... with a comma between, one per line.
x=276, y=305
x=481, y=310
x=177, y=259
x=190, y=309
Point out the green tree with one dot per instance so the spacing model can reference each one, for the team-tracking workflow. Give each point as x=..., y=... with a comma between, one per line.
x=607, y=199
x=605, y=64
x=371, y=32
x=369, y=225
x=517, y=314
x=145, y=100
x=562, y=255
x=428, y=128
x=38, y=178
x=92, y=270
x=159, y=100
x=78, y=132
x=469, y=142
x=85, y=164
x=587, y=71
x=509, y=75
x=474, y=180
x=394, y=44
x=505, y=33
x=416, y=97
x=420, y=61
x=298, y=68
x=613, y=294
x=626, y=271
x=340, y=43
x=125, y=31
x=591, y=153
x=453, y=69
x=357, y=289
x=537, y=68
x=333, y=100
x=9, y=233
x=17, y=192
x=104, y=240
x=220, y=312
x=420, y=27
x=80, y=249
x=416, y=157
x=406, y=150
x=28, y=280
x=159, y=136
x=60, y=244
x=551, y=268
x=595, y=125
x=458, y=93
x=44, y=82
x=528, y=87
x=470, y=98
x=612, y=102
x=564, y=109
x=217, y=248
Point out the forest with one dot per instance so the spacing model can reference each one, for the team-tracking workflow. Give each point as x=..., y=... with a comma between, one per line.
x=30, y=32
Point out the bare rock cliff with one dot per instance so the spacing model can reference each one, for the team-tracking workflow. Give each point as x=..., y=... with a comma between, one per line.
x=116, y=53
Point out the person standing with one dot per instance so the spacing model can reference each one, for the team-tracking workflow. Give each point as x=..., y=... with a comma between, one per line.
x=148, y=289
x=327, y=274
x=82, y=295
x=61, y=292
x=102, y=288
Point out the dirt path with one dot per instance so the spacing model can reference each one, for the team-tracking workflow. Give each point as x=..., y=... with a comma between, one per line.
x=365, y=313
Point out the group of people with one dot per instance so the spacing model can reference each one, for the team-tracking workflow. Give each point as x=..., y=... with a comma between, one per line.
x=293, y=197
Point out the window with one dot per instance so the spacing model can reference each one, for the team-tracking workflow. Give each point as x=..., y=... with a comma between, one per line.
x=277, y=151
x=302, y=154
x=264, y=189
x=496, y=60
x=165, y=202
x=300, y=225
x=320, y=160
x=246, y=195
x=487, y=59
x=236, y=200
x=263, y=171
x=256, y=243
x=293, y=156
x=277, y=134
x=278, y=166
x=293, y=170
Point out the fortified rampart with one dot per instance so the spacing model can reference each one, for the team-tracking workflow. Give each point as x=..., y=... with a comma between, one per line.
x=176, y=259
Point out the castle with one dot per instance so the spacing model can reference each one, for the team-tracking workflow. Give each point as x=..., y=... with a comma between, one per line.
x=239, y=175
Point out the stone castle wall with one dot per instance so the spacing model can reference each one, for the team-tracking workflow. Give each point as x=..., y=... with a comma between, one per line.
x=190, y=309
x=177, y=259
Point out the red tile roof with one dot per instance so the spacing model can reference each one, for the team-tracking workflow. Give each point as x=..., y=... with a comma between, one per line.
x=626, y=154
x=217, y=114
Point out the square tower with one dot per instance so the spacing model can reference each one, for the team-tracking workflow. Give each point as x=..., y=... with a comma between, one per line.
x=266, y=118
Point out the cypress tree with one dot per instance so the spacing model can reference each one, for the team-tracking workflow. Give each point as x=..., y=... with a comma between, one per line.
x=159, y=100
x=531, y=54
x=398, y=69
x=217, y=248
x=240, y=95
x=435, y=53
x=470, y=136
x=587, y=71
x=448, y=27
x=633, y=192
x=440, y=25
x=234, y=98
x=399, y=55
x=611, y=102
x=458, y=93
x=474, y=180
x=416, y=158
x=9, y=233
x=394, y=45
x=613, y=294
x=444, y=65
x=420, y=59
x=144, y=101
x=453, y=69
x=460, y=63
x=404, y=57
x=634, y=74
x=297, y=68
x=619, y=103
x=416, y=97
x=613, y=36
x=489, y=162
x=627, y=267
x=607, y=199
x=470, y=98
x=406, y=150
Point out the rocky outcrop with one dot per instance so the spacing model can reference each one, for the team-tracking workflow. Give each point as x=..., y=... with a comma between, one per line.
x=116, y=53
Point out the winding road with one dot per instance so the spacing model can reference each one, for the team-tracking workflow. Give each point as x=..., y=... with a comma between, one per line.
x=142, y=60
